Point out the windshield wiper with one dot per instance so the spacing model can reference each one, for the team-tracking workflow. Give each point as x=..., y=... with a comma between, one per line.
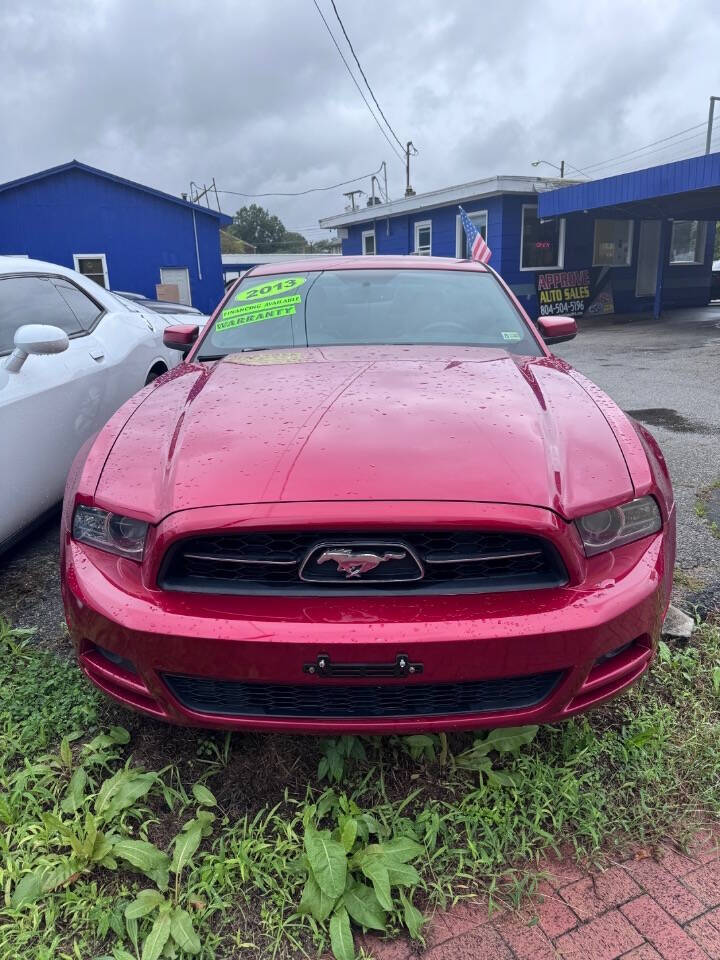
x=221, y=356
x=256, y=349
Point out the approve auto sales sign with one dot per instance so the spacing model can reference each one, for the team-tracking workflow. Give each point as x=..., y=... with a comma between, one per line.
x=574, y=293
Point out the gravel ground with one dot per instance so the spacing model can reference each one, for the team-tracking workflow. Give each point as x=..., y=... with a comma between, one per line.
x=665, y=374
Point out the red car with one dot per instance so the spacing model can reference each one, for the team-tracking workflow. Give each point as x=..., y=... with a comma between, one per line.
x=370, y=500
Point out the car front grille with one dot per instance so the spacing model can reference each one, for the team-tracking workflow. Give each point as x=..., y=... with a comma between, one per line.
x=326, y=701
x=437, y=561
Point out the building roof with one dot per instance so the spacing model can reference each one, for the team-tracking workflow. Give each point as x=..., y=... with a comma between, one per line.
x=683, y=190
x=251, y=259
x=394, y=262
x=94, y=171
x=462, y=193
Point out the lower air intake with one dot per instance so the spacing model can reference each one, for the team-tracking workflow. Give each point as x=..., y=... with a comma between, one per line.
x=238, y=699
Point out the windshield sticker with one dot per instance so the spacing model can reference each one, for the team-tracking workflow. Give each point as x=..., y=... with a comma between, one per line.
x=511, y=335
x=265, y=291
x=246, y=308
x=267, y=358
x=231, y=319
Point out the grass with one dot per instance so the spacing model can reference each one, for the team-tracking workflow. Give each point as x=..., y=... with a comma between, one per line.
x=123, y=838
x=682, y=578
x=702, y=503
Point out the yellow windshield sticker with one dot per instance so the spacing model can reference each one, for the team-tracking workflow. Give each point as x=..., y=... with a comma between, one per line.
x=255, y=316
x=511, y=335
x=245, y=308
x=268, y=358
x=273, y=288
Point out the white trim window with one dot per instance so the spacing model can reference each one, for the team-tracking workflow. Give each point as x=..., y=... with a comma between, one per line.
x=480, y=220
x=368, y=243
x=93, y=266
x=612, y=244
x=687, y=243
x=542, y=242
x=423, y=238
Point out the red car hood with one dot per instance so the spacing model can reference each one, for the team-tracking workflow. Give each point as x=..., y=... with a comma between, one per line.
x=359, y=423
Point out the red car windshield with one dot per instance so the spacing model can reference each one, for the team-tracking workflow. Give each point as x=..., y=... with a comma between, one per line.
x=347, y=307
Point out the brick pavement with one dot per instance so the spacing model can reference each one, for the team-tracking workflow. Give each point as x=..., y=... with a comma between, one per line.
x=659, y=905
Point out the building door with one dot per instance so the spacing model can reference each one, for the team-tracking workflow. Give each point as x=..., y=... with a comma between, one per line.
x=181, y=278
x=647, y=258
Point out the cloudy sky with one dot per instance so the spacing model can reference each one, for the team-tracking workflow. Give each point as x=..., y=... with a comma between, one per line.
x=253, y=93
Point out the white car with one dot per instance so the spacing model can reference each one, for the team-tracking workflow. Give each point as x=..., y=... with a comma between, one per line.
x=70, y=354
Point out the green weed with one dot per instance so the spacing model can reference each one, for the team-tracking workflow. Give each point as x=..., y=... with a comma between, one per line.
x=101, y=857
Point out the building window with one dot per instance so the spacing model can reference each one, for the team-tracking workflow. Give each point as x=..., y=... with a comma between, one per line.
x=613, y=243
x=542, y=243
x=479, y=219
x=687, y=244
x=368, y=243
x=174, y=285
x=93, y=266
x=423, y=238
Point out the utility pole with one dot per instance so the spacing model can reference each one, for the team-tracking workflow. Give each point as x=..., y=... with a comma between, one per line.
x=352, y=194
x=197, y=195
x=409, y=192
x=384, y=166
x=710, y=123
x=562, y=169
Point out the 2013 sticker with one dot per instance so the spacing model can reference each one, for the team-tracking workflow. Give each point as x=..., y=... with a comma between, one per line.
x=273, y=288
x=511, y=335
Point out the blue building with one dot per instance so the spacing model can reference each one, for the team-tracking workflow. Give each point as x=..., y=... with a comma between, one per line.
x=627, y=244
x=124, y=235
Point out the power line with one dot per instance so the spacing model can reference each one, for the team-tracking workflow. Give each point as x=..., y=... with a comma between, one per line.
x=649, y=153
x=302, y=193
x=354, y=80
x=602, y=163
x=686, y=153
x=367, y=82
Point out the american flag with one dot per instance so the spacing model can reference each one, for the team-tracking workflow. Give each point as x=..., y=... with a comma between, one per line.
x=477, y=247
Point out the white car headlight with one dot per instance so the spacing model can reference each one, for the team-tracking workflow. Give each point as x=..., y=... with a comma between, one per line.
x=110, y=531
x=619, y=525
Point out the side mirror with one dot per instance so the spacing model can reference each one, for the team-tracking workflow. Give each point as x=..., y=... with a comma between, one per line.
x=38, y=339
x=557, y=329
x=181, y=336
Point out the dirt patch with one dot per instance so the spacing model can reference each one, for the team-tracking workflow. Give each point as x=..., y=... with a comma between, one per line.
x=671, y=420
x=30, y=583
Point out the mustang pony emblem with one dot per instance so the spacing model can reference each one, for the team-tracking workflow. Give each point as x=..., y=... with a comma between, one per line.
x=356, y=564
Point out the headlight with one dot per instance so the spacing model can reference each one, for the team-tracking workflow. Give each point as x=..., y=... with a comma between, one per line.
x=618, y=525
x=109, y=531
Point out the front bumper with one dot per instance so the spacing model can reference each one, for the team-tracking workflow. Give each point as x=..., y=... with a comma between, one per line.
x=130, y=636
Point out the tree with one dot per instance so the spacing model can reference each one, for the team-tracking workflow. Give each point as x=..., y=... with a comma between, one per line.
x=292, y=243
x=229, y=243
x=322, y=246
x=259, y=227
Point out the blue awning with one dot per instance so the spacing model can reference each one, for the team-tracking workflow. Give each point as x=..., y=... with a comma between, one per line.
x=683, y=190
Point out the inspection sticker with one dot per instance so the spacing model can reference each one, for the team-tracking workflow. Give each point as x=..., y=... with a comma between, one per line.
x=273, y=288
x=270, y=313
x=511, y=335
x=268, y=358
